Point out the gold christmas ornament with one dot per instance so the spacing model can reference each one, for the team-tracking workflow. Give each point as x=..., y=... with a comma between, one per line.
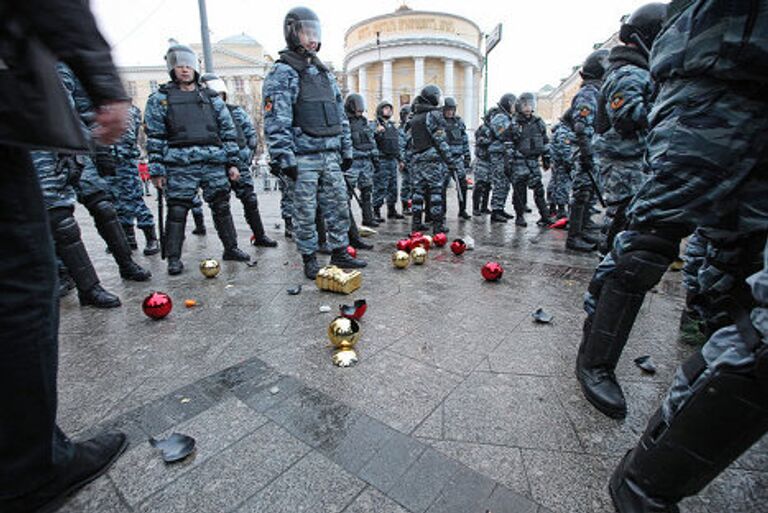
x=333, y=279
x=344, y=333
x=210, y=267
x=401, y=259
x=419, y=255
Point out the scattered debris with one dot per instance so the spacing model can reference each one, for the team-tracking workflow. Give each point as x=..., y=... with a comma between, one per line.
x=252, y=263
x=646, y=364
x=325, y=309
x=542, y=317
x=354, y=311
x=189, y=303
x=174, y=448
x=470, y=242
x=274, y=390
x=294, y=291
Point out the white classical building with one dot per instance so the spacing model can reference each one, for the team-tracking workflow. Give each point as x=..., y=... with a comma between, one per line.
x=393, y=56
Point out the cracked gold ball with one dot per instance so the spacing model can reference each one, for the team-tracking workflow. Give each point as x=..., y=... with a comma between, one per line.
x=210, y=267
x=344, y=333
x=419, y=255
x=401, y=259
x=344, y=358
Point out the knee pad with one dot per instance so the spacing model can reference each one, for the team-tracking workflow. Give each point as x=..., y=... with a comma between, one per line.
x=177, y=213
x=220, y=206
x=102, y=209
x=187, y=204
x=250, y=201
x=65, y=230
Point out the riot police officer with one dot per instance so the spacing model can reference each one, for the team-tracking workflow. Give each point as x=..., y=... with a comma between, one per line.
x=482, y=168
x=456, y=132
x=192, y=143
x=532, y=146
x=559, y=187
x=247, y=141
x=404, y=141
x=309, y=140
x=385, y=181
x=504, y=134
x=365, y=156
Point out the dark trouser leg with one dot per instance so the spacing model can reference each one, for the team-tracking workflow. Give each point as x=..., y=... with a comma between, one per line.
x=29, y=321
x=576, y=240
x=175, y=225
x=620, y=297
x=541, y=203
x=463, y=202
x=225, y=228
x=477, y=199
x=366, y=205
x=108, y=226
x=322, y=233
x=253, y=217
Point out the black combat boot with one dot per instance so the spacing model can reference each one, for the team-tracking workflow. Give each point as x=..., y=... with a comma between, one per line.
x=367, y=207
x=519, y=192
x=377, y=215
x=561, y=212
x=507, y=214
x=575, y=240
x=199, y=223
x=311, y=267
x=354, y=235
x=108, y=226
x=72, y=252
x=340, y=258
x=463, y=204
x=288, y=232
x=130, y=235
x=392, y=212
x=497, y=216
x=253, y=217
x=486, y=199
x=225, y=228
x=175, y=225
x=417, y=225
x=322, y=234
x=153, y=246
x=477, y=196
x=545, y=213
x=66, y=283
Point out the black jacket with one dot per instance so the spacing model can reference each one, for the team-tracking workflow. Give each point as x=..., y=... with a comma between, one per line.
x=34, y=34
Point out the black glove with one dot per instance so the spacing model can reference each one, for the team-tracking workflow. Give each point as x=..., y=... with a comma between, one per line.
x=546, y=162
x=291, y=172
x=346, y=163
x=274, y=169
x=467, y=162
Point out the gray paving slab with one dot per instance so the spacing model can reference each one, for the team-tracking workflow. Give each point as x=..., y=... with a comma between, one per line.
x=422, y=483
x=99, y=496
x=373, y=501
x=394, y=458
x=231, y=476
x=314, y=484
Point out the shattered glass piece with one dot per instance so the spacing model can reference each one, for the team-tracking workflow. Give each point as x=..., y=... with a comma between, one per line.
x=541, y=316
x=646, y=364
x=174, y=448
x=294, y=291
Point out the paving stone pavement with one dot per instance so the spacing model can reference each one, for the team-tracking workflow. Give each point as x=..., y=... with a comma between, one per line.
x=460, y=402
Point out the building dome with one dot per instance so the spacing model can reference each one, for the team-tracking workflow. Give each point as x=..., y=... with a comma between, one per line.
x=393, y=56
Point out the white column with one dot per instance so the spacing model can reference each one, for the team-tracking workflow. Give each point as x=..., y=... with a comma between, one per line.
x=362, y=81
x=418, y=74
x=449, y=89
x=386, y=81
x=349, y=81
x=469, y=96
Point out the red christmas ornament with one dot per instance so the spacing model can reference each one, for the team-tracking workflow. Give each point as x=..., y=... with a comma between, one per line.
x=421, y=241
x=157, y=305
x=404, y=245
x=492, y=271
x=416, y=235
x=458, y=247
x=352, y=251
x=440, y=239
x=355, y=311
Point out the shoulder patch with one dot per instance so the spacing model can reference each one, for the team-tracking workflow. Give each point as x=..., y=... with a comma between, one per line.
x=617, y=100
x=584, y=112
x=268, y=104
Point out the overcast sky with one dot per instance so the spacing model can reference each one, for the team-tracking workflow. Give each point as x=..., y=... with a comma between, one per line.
x=541, y=40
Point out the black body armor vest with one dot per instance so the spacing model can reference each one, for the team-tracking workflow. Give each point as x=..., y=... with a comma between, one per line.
x=389, y=140
x=531, y=142
x=191, y=120
x=422, y=140
x=315, y=111
x=361, y=137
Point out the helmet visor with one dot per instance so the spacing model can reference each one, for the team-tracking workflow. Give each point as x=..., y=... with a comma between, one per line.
x=308, y=32
x=217, y=85
x=527, y=102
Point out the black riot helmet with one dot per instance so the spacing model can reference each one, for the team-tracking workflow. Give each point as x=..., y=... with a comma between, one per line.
x=181, y=55
x=405, y=112
x=507, y=102
x=449, y=104
x=380, y=109
x=431, y=94
x=643, y=25
x=301, y=21
x=594, y=66
x=525, y=100
x=354, y=103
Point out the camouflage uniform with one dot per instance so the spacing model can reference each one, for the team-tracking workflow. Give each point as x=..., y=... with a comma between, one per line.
x=320, y=182
x=533, y=144
x=707, y=153
x=504, y=132
x=481, y=189
x=429, y=166
x=559, y=187
x=385, y=182
x=191, y=141
x=366, y=162
x=406, y=187
x=620, y=145
x=458, y=142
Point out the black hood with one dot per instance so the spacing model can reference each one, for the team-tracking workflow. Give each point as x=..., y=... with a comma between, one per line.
x=622, y=55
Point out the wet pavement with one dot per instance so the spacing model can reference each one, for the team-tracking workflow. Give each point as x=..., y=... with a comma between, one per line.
x=460, y=401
